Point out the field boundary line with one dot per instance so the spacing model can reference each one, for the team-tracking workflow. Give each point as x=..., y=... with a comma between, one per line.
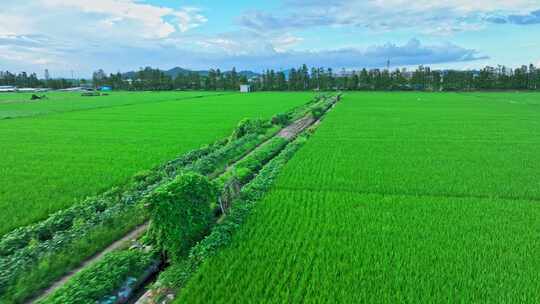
x=432, y=195
x=115, y=106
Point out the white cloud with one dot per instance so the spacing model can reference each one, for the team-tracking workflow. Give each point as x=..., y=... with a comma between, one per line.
x=21, y=56
x=84, y=35
x=459, y=5
x=425, y=5
x=494, y=5
x=285, y=42
x=11, y=24
x=97, y=18
x=61, y=33
x=151, y=20
x=224, y=44
x=245, y=42
x=427, y=16
x=238, y=43
x=260, y=55
x=189, y=18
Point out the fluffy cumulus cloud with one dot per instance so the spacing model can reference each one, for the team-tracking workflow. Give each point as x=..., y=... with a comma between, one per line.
x=267, y=56
x=244, y=42
x=148, y=21
x=188, y=18
x=22, y=52
x=67, y=33
x=433, y=17
x=413, y=52
x=519, y=19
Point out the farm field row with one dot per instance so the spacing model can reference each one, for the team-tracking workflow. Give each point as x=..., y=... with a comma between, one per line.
x=398, y=197
x=51, y=161
x=334, y=247
x=425, y=144
x=14, y=105
x=524, y=98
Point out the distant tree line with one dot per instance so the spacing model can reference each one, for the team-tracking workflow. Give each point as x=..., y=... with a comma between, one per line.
x=422, y=79
x=24, y=80
x=302, y=79
x=149, y=79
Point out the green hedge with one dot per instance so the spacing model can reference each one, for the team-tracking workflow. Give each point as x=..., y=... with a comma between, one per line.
x=217, y=162
x=250, y=126
x=245, y=169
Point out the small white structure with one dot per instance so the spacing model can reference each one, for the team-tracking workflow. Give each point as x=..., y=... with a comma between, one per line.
x=75, y=89
x=27, y=90
x=245, y=88
x=7, y=89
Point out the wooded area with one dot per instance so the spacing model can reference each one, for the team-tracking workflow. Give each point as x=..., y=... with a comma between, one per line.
x=302, y=79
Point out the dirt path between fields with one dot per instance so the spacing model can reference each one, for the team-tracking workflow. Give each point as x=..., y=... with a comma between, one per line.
x=121, y=243
x=294, y=129
x=288, y=133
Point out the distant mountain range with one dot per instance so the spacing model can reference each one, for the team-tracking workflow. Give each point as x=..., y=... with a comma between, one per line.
x=174, y=72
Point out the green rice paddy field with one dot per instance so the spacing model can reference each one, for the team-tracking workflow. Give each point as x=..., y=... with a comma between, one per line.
x=397, y=198
x=20, y=105
x=56, y=152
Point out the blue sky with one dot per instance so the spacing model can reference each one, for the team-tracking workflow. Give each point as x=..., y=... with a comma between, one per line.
x=123, y=35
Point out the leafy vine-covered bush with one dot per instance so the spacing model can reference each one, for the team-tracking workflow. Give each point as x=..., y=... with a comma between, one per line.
x=249, y=126
x=173, y=166
x=319, y=100
x=180, y=213
x=317, y=112
x=217, y=161
x=245, y=169
x=282, y=119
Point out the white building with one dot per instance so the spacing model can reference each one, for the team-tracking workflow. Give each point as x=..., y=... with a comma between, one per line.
x=245, y=88
x=27, y=90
